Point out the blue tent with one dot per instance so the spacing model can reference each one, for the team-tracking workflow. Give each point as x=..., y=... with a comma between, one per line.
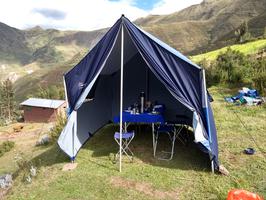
x=115, y=71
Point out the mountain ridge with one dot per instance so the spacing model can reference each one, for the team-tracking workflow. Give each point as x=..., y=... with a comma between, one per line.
x=194, y=30
x=219, y=20
x=205, y=26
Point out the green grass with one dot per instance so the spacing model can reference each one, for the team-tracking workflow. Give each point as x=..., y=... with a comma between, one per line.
x=187, y=176
x=6, y=147
x=247, y=48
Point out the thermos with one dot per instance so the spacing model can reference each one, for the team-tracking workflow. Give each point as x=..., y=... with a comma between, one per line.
x=142, y=102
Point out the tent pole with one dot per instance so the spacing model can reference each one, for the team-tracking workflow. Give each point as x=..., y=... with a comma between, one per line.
x=121, y=96
x=147, y=84
x=207, y=115
x=72, y=159
x=64, y=81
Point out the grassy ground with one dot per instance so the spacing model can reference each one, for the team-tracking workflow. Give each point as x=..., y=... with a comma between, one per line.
x=25, y=141
x=187, y=176
x=247, y=48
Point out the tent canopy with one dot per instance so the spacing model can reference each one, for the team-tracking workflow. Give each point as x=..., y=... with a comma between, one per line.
x=149, y=65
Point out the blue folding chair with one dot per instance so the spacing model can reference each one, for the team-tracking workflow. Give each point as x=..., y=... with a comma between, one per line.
x=159, y=108
x=127, y=137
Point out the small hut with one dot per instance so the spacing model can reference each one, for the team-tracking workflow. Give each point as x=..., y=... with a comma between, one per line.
x=42, y=110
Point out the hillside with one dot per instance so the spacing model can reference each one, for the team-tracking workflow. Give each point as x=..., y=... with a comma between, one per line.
x=12, y=45
x=247, y=49
x=207, y=26
x=26, y=52
x=27, y=56
x=198, y=28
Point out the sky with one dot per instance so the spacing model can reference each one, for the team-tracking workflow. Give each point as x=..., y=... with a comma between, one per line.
x=82, y=14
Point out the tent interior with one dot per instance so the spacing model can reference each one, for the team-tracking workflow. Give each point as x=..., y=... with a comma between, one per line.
x=105, y=93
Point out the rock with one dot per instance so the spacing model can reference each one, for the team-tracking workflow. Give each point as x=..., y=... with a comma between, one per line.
x=33, y=171
x=45, y=139
x=223, y=170
x=6, y=181
x=28, y=179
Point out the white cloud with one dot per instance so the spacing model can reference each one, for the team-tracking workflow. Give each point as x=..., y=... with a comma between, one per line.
x=79, y=14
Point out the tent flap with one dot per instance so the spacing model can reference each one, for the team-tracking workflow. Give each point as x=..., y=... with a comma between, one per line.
x=79, y=77
x=69, y=140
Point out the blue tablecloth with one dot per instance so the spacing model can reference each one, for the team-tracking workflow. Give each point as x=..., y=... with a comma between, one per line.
x=140, y=118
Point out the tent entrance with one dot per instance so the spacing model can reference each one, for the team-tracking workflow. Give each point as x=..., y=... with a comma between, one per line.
x=137, y=78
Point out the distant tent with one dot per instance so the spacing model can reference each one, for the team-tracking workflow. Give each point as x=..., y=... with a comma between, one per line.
x=148, y=65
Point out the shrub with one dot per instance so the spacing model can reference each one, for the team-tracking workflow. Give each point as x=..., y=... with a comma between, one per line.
x=259, y=76
x=59, y=125
x=233, y=67
x=6, y=147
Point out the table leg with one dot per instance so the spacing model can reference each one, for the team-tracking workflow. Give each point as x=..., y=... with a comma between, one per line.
x=153, y=139
x=125, y=127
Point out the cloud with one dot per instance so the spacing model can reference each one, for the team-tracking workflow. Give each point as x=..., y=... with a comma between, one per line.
x=80, y=14
x=50, y=13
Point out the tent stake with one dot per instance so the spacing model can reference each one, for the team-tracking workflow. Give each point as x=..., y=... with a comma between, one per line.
x=212, y=166
x=121, y=96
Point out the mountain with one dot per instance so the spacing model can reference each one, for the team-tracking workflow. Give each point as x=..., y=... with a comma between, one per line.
x=13, y=45
x=208, y=25
x=28, y=56
x=23, y=52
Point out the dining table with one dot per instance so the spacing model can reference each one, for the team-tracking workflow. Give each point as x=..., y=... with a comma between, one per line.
x=143, y=118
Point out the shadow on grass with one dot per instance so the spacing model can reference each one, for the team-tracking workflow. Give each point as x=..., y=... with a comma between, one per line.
x=102, y=144
x=186, y=157
x=53, y=155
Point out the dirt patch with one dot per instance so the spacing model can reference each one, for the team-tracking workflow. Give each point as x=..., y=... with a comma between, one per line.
x=69, y=166
x=3, y=192
x=145, y=188
x=29, y=130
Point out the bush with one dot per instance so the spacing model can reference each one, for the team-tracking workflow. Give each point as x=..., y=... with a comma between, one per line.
x=6, y=147
x=59, y=125
x=233, y=67
x=259, y=76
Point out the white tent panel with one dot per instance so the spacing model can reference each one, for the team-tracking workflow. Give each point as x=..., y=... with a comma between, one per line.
x=70, y=141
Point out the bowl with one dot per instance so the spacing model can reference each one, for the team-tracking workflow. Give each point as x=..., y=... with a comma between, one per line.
x=249, y=151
